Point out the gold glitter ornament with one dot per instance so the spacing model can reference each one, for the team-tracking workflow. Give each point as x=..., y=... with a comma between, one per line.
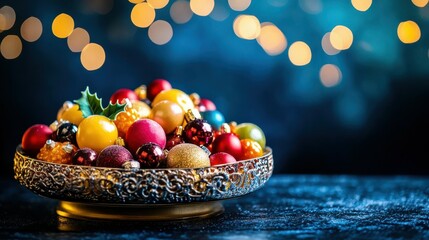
x=187, y=155
x=57, y=152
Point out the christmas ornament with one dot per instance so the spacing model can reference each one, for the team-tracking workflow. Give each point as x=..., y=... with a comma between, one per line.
x=174, y=138
x=168, y=114
x=250, y=149
x=206, y=105
x=70, y=114
x=157, y=86
x=96, y=132
x=66, y=105
x=143, y=109
x=35, y=137
x=229, y=143
x=251, y=131
x=113, y=156
x=131, y=165
x=221, y=158
x=84, y=157
x=120, y=95
x=141, y=92
x=57, y=152
x=125, y=119
x=197, y=131
x=175, y=95
x=65, y=132
x=214, y=118
x=187, y=155
x=144, y=131
x=150, y=155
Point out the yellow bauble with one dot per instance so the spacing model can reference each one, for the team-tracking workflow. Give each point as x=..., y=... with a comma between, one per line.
x=142, y=108
x=187, y=155
x=174, y=95
x=72, y=114
x=168, y=114
x=96, y=132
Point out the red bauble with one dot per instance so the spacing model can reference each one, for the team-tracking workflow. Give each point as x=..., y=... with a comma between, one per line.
x=156, y=86
x=173, y=140
x=198, y=132
x=150, y=155
x=221, y=158
x=85, y=157
x=144, y=131
x=228, y=143
x=35, y=137
x=121, y=94
x=206, y=105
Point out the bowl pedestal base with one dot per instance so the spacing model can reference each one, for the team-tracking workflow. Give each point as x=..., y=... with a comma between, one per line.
x=139, y=212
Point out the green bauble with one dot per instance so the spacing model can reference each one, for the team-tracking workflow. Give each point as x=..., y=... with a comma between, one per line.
x=251, y=131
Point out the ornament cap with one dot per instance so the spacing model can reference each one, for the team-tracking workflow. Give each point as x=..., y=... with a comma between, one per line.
x=50, y=144
x=131, y=165
x=178, y=131
x=54, y=126
x=68, y=148
x=120, y=141
x=192, y=114
x=225, y=128
x=195, y=98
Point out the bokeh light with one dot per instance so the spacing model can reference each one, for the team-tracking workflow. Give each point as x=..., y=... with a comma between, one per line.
x=135, y=1
x=247, y=27
x=158, y=4
x=420, y=3
x=272, y=39
x=31, y=29
x=7, y=18
x=92, y=56
x=361, y=5
x=299, y=53
x=78, y=39
x=341, y=37
x=408, y=32
x=330, y=75
x=327, y=46
x=202, y=7
x=180, y=12
x=142, y=15
x=311, y=6
x=11, y=47
x=160, y=32
x=63, y=25
x=239, y=5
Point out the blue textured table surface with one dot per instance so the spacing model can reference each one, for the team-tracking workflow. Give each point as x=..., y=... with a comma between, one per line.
x=298, y=206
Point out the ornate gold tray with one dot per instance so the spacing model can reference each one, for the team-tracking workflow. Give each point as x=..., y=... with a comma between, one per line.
x=145, y=194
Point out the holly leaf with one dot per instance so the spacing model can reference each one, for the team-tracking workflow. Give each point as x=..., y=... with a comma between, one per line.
x=112, y=110
x=89, y=103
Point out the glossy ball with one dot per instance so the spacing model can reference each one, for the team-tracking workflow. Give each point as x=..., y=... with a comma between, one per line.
x=157, y=86
x=173, y=140
x=221, y=158
x=250, y=149
x=150, y=155
x=175, y=95
x=85, y=157
x=113, y=156
x=66, y=132
x=72, y=114
x=120, y=95
x=228, y=143
x=198, y=132
x=96, y=132
x=168, y=114
x=144, y=131
x=206, y=105
x=214, y=118
x=250, y=131
x=142, y=108
x=187, y=155
x=35, y=137
x=66, y=105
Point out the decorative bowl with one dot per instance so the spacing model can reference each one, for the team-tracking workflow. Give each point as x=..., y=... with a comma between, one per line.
x=146, y=194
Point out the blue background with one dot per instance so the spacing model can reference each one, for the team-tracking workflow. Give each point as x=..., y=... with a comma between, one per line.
x=374, y=122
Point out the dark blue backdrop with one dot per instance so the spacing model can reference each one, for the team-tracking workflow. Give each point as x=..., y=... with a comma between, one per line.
x=374, y=122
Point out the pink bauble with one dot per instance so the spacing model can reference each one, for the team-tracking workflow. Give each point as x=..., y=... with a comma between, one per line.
x=144, y=131
x=35, y=137
x=221, y=158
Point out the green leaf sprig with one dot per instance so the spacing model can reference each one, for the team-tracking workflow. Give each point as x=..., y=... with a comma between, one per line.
x=90, y=104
